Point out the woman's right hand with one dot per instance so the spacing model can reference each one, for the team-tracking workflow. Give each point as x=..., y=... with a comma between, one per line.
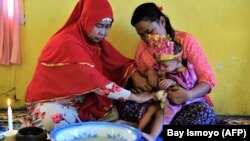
x=142, y=97
x=178, y=95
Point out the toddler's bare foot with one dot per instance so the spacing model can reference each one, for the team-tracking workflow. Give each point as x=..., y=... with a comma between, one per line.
x=148, y=137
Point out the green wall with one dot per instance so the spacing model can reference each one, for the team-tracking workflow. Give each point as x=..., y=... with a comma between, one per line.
x=220, y=26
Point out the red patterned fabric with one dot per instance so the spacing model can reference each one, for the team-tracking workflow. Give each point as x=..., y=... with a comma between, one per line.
x=70, y=65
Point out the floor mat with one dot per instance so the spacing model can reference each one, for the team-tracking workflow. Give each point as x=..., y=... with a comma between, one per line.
x=233, y=121
x=20, y=115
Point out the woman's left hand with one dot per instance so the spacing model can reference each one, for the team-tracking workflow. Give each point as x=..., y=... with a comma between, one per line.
x=178, y=95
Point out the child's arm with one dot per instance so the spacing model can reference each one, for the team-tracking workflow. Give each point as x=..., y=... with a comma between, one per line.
x=152, y=77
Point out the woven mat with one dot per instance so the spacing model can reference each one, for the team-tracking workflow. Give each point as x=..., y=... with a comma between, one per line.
x=18, y=117
x=235, y=121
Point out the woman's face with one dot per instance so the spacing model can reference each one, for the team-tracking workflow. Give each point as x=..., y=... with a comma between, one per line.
x=100, y=31
x=144, y=28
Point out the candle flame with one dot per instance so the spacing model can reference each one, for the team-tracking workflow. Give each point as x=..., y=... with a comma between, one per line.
x=8, y=101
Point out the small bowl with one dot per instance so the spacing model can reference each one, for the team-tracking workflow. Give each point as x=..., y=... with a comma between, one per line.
x=2, y=130
x=95, y=131
x=31, y=134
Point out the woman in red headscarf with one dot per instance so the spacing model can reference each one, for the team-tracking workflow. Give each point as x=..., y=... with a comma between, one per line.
x=78, y=72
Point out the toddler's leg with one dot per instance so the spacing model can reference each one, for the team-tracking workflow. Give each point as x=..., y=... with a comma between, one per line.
x=146, y=118
x=157, y=127
x=158, y=124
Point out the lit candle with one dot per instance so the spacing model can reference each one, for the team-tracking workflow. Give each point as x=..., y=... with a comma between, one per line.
x=10, y=122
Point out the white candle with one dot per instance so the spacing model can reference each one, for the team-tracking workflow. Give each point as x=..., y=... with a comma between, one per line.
x=10, y=120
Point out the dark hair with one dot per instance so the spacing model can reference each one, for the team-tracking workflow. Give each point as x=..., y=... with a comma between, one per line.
x=151, y=12
x=177, y=49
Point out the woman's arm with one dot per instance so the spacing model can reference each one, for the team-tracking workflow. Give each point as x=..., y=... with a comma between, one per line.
x=179, y=95
x=200, y=90
x=195, y=55
x=116, y=92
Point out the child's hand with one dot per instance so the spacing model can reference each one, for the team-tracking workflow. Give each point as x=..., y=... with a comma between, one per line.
x=166, y=83
x=152, y=77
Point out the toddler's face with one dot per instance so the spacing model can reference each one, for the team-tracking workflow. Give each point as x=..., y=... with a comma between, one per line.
x=168, y=65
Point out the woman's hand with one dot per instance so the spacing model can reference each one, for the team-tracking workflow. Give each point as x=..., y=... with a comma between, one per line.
x=140, y=83
x=165, y=84
x=152, y=77
x=178, y=95
x=142, y=97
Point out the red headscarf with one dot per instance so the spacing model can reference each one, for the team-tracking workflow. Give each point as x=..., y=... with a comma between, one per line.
x=70, y=65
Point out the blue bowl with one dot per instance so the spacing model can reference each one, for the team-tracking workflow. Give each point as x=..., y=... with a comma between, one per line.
x=95, y=131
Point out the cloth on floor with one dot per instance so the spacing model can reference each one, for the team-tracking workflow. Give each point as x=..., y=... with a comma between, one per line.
x=19, y=117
